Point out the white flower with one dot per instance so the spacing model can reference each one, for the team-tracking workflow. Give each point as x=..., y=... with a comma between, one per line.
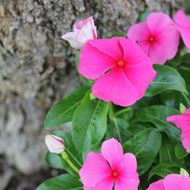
x=54, y=144
x=82, y=32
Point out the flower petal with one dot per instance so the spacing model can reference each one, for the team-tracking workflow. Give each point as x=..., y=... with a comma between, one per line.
x=131, y=184
x=181, y=19
x=95, y=169
x=94, y=63
x=105, y=184
x=183, y=25
x=112, y=151
x=138, y=32
x=176, y=182
x=185, y=138
x=128, y=178
x=158, y=21
x=181, y=121
x=115, y=87
x=110, y=47
x=132, y=53
x=158, y=185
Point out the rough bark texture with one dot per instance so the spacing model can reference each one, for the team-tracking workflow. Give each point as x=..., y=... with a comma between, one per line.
x=35, y=63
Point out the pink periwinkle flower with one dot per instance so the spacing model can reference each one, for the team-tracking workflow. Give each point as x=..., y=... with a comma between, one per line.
x=157, y=36
x=55, y=144
x=172, y=182
x=121, y=70
x=110, y=168
x=183, y=122
x=183, y=26
x=82, y=32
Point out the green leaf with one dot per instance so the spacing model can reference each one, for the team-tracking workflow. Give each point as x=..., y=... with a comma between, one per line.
x=164, y=169
x=167, y=79
x=145, y=145
x=157, y=115
x=89, y=123
x=180, y=152
x=62, y=182
x=63, y=110
x=167, y=151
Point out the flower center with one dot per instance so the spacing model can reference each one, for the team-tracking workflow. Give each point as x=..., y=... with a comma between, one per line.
x=115, y=174
x=120, y=63
x=151, y=39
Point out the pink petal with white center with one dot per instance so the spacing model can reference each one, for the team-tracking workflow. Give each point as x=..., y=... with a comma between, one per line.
x=158, y=21
x=93, y=62
x=159, y=185
x=112, y=152
x=177, y=182
x=139, y=32
x=94, y=170
x=115, y=87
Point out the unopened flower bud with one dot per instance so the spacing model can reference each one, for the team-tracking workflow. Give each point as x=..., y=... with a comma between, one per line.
x=54, y=144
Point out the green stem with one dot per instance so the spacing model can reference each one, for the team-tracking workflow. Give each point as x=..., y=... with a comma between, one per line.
x=66, y=158
x=120, y=112
x=67, y=150
x=112, y=118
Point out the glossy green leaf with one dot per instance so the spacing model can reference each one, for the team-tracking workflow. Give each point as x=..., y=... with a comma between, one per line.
x=89, y=123
x=164, y=169
x=180, y=152
x=62, y=182
x=167, y=151
x=167, y=78
x=157, y=115
x=63, y=110
x=145, y=145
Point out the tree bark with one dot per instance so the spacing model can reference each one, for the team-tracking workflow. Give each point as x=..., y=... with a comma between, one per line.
x=35, y=63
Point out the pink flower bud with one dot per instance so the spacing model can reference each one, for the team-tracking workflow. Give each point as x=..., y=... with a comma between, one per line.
x=82, y=32
x=54, y=144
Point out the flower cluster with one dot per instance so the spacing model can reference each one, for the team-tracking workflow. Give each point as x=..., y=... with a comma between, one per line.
x=122, y=69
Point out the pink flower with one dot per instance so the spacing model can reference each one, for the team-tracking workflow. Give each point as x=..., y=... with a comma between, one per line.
x=110, y=168
x=183, y=122
x=183, y=26
x=172, y=182
x=54, y=144
x=157, y=36
x=83, y=31
x=121, y=70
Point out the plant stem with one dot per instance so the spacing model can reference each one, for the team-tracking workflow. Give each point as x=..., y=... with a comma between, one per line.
x=113, y=119
x=122, y=111
x=66, y=158
x=74, y=158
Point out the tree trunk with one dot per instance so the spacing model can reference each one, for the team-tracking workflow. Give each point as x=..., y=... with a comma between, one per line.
x=35, y=63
